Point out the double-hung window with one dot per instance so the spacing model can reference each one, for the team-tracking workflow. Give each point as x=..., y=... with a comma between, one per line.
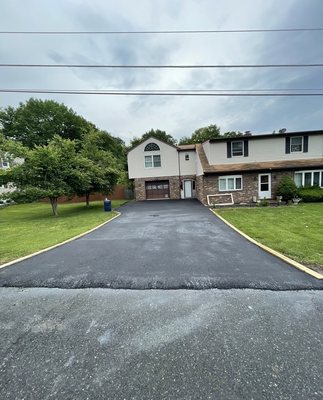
x=232, y=182
x=296, y=144
x=237, y=148
x=153, y=161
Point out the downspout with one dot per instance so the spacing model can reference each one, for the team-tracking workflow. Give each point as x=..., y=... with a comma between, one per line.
x=179, y=175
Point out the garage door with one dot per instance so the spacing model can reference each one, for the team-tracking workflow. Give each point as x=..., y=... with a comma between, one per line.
x=157, y=190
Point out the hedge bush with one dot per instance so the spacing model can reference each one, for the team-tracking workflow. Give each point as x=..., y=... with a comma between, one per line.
x=287, y=188
x=311, y=194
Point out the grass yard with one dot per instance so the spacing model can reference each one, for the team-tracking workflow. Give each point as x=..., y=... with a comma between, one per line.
x=26, y=228
x=296, y=231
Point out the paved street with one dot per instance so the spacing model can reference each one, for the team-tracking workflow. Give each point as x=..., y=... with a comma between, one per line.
x=159, y=244
x=157, y=344
x=95, y=342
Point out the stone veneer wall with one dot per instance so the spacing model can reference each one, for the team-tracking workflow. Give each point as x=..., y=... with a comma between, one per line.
x=208, y=184
x=249, y=184
x=174, y=186
x=200, y=189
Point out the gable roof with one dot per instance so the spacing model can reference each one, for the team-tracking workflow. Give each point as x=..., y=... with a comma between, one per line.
x=151, y=137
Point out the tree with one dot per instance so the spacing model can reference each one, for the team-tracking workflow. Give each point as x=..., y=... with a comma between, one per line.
x=232, y=134
x=202, y=135
x=158, y=134
x=51, y=171
x=36, y=122
x=103, y=169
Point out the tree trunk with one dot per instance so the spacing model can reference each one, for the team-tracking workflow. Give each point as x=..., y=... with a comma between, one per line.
x=53, y=202
x=87, y=199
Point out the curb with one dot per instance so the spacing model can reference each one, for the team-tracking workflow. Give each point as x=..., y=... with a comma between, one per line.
x=59, y=244
x=275, y=253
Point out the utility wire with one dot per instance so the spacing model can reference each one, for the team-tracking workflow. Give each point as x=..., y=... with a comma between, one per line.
x=161, y=66
x=171, y=32
x=158, y=93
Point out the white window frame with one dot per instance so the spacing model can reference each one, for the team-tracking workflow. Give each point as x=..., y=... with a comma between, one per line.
x=226, y=178
x=152, y=158
x=291, y=144
x=5, y=162
x=312, y=176
x=237, y=155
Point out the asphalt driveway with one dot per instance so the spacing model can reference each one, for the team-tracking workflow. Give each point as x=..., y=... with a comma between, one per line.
x=159, y=244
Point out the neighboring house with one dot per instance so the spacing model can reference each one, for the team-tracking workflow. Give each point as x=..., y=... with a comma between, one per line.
x=5, y=164
x=235, y=170
x=4, y=188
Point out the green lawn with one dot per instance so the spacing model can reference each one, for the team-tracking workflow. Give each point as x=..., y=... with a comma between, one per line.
x=296, y=231
x=27, y=228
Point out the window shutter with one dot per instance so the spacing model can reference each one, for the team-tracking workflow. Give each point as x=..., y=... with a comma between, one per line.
x=305, y=140
x=229, y=149
x=246, y=148
x=287, y=145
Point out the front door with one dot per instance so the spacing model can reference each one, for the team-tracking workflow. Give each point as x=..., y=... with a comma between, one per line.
x=264, y=186
x=188, y=190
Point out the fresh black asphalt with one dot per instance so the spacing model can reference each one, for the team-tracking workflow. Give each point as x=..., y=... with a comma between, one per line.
x=163, y=245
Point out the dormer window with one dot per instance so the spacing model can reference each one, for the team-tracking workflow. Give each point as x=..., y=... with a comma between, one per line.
x=152, y=147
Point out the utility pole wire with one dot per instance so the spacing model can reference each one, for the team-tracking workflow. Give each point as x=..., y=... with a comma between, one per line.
x=6, y=65
x=155, y=93
x=161, y=32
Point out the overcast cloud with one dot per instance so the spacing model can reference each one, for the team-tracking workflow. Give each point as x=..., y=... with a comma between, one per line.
x=180, y=116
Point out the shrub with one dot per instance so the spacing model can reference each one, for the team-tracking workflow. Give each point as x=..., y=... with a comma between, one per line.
x=263, y=202
x=311, y=194
x=287, y=188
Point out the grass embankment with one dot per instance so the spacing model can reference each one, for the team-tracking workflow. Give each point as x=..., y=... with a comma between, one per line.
x=27, y=228
x=296, y=231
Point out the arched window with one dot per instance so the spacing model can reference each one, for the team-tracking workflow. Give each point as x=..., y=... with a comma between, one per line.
x=152, y=147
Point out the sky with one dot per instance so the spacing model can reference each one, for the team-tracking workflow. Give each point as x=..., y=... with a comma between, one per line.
x=127, y=117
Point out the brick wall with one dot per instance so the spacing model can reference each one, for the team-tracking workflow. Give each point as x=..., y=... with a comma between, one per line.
x=249, y=184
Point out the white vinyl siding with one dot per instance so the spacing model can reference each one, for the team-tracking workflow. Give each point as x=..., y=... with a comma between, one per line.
x=228, y=183
x=309, y=178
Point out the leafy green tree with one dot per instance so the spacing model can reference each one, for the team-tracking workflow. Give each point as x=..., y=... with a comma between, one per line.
x=158, y=134
x=50, y=171
x=232, y=134
x=36, y=122
x=202, y=135
x=104, y=169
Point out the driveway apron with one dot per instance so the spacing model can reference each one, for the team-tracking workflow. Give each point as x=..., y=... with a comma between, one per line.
x=163, y=245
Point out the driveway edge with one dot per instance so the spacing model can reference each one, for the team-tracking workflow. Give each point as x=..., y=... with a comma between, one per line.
x=271, y=251
x=59, y=244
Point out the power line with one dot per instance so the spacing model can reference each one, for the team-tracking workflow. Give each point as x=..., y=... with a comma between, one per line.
x=151, y=32
x=138, y=92
x=161, y=66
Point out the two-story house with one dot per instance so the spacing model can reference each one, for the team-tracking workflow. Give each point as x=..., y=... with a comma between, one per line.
x=226, y=170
